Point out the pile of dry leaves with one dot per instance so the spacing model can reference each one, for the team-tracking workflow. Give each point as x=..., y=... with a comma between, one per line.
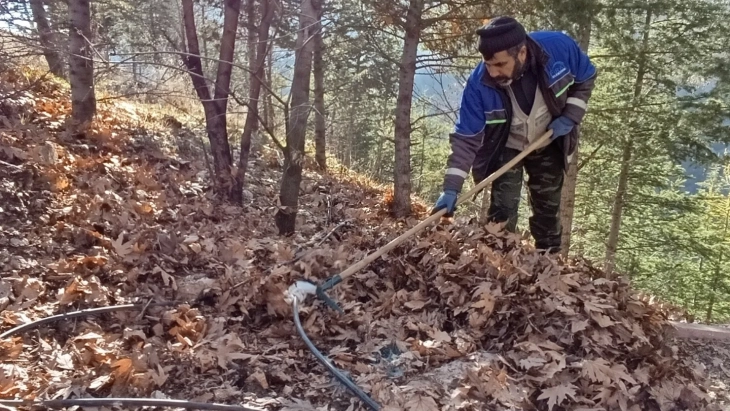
x=457, y=318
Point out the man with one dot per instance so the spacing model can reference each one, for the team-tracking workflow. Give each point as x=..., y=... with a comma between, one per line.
x=525, y=85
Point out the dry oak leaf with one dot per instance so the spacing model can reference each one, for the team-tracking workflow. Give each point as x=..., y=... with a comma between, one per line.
x=421, y=403
x=556, y=395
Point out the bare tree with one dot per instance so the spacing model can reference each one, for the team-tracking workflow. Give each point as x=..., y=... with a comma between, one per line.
x=258, y=45
x=215, y=106
x=81, y=65
x=320, y=130
x=47, y=37
x=297, y=125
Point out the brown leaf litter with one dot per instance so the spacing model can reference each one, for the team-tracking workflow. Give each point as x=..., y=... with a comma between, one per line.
x=457, y=318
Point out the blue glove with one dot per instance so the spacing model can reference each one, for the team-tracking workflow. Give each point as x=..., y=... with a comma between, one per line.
x=446, y=200
x=561, y=126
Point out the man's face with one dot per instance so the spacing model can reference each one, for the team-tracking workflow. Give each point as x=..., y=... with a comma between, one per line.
x=504, y=68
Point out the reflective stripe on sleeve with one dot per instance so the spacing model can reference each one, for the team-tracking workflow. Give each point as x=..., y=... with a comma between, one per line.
x=577, y=102
x=457, y=172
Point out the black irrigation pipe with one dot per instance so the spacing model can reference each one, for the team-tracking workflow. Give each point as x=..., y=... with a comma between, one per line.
x=125, y=402
x=337, y=373
x=82, y=313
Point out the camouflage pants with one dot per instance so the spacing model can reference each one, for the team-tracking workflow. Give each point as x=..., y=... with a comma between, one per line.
x=544, y=169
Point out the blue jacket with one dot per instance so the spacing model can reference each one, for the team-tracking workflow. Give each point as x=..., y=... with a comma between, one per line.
x=567, y=78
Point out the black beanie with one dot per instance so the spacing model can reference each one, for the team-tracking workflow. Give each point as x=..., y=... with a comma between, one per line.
x=501, y=33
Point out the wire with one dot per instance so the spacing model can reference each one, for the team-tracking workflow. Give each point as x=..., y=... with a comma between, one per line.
x=337, y=373
x=91, y=311
x=125, y=402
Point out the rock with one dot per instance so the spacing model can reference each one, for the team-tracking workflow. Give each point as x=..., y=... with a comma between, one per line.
x=191, y=287
x=48, y=153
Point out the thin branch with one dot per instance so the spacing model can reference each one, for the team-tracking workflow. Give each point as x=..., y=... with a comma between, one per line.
x=590, y=157
x=261, y=121
x=181, y=53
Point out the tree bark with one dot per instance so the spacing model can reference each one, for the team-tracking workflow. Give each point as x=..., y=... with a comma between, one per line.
x=484, y=206
x=258, y=47
x=320, y=130
x=285, y=217
x=268, y=100
x=718, y=268
x=215, y=115
x=567, y=196
x=81, y=66
x=225, y=60
x=617, y=212
x=46, y=37
x=352, y=116
x=406, y=74
x=619, y=200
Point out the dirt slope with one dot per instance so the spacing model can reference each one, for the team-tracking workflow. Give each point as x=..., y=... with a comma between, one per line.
x=110, y=217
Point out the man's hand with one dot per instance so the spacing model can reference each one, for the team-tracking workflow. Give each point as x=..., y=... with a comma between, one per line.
x=446, y=200
x=561, y=126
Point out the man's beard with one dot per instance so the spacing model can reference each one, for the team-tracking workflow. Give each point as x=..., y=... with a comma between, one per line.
x=519, y=70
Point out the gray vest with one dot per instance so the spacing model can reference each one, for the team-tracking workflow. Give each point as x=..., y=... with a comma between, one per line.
x=527, y=128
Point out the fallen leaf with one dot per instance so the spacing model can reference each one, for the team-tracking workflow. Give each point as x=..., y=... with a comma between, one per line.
x=260, y=377
x=556, y=395
x=597, y=371
x=121, y=248
x=415, y=305
x=577, y=326
x=421, y=403
x=441, y=336
x=532, y=362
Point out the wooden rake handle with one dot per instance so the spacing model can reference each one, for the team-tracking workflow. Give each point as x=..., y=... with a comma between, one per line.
x=436, y=216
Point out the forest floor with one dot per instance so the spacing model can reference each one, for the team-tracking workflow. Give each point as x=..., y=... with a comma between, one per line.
x=459, y=317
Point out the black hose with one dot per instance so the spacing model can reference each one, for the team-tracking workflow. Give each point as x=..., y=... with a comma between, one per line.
x=337, y=373
x=125, y=402
x=74, y=314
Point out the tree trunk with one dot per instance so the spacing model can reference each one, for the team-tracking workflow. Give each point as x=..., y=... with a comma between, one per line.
x=225, y=59
x=484, y=208
x=81, y=66
x=319, y=120
x=258, y=47
x=567, y=196
x=378, y=167
x=406, y=74
x=617, y=212
x=718, y=272
x=268, y=100
x=46, y=37
x=354, y=106
x=421, y=162
x=215, y=119
x=297, y=122
x=618, y=205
